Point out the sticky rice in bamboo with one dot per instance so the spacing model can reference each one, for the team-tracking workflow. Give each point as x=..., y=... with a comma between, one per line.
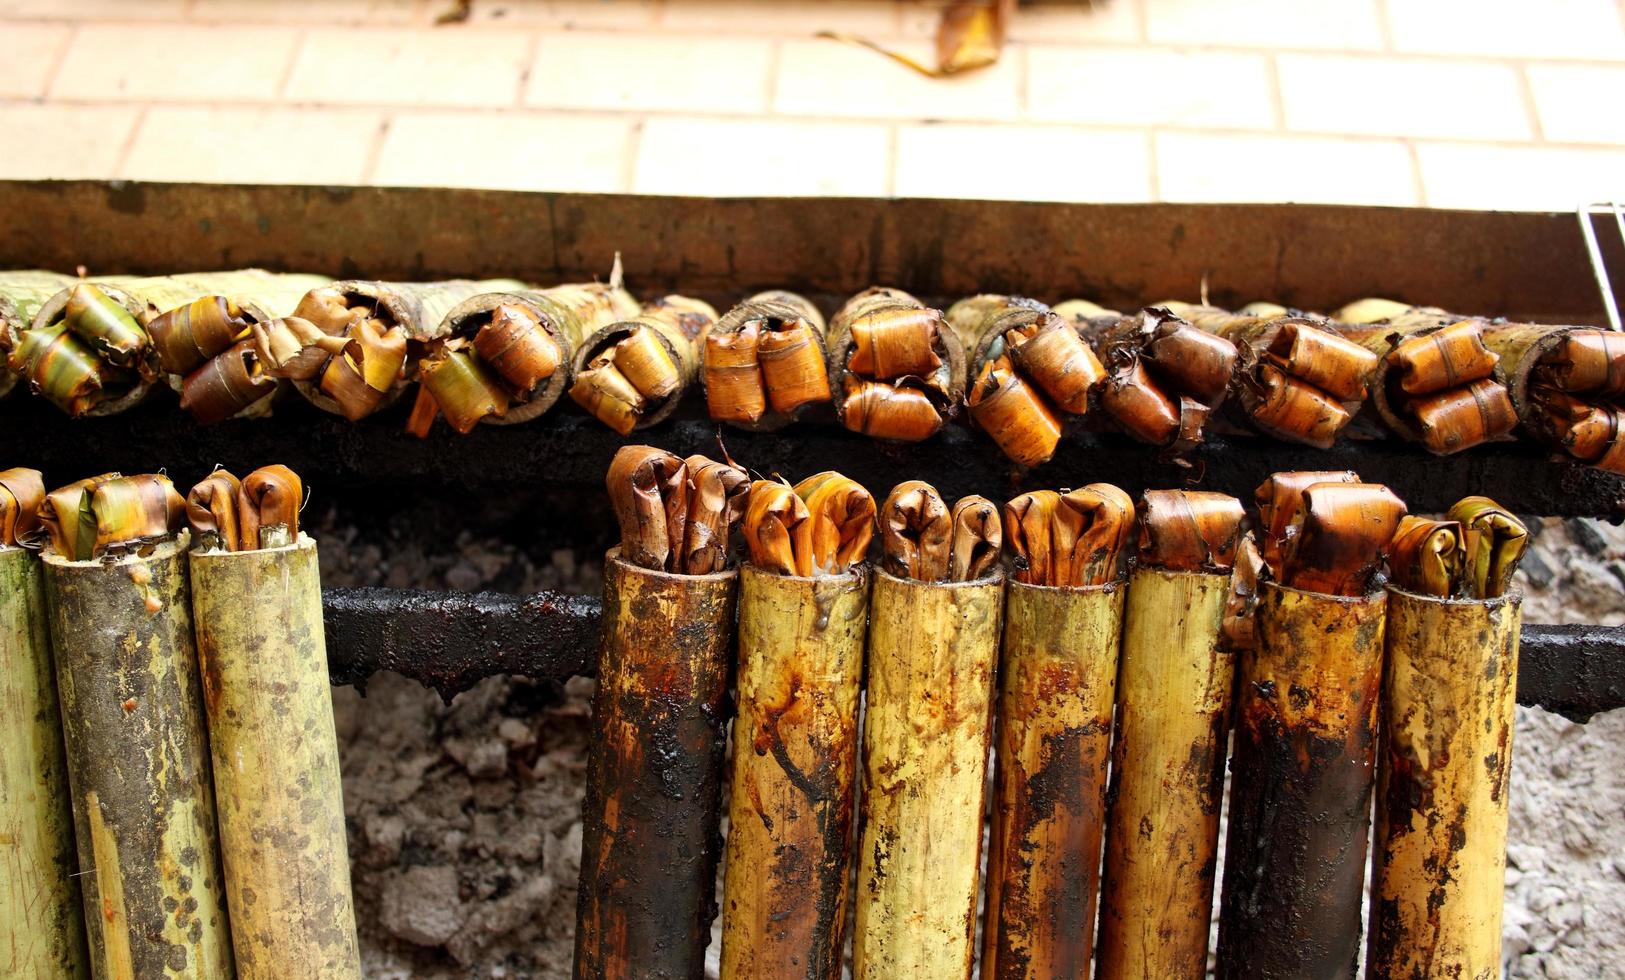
x=1166, y=376
x=896, y=370
x=765, y=363
x=22, y=293
x=630, y=375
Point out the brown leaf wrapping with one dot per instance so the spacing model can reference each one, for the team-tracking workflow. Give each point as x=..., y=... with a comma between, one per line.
x=774, y=514
x=1190, y=530
x=978, y=536
x=294, y=348
x=1458, y=418
x=1277, y=501
x=1494, y=542
x=718, y=494
x=839, y=526
x=1442, y=359
x=517, y=347
x=734, y=388
x=1014, y=414
x=1195, y=362
x=766, y=353
x=1333, y=364
x=1075, y=539
x=1057, y=360
x=226, y=384
x=1239, y=608
x=1427, y=557
x=367, y=369
x=1590, y=362
x=1139, y=405
x=134, y=510
x=608, y=396
x=893, y=342
x=646, y=365
x=189, y=335
x=792, y=363
x=68, y=523
x=646, y=490
x=268, y=508
x=458, y=385
x=22, y=492
x=916, y=532
x=1284, y=406
x=886, y=411
x=212, y=510
x=1340, y=534
x=1588, y=432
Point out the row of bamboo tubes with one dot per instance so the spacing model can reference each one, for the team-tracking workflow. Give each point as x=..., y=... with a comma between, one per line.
x=170, y=803
x=1099, y=660
x=500, y=352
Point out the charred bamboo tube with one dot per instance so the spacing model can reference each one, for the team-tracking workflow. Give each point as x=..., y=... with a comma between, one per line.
x=932, y=648
x=22, y=293
x=794, y=768
x=1437, y=382
x=1173, y=715
x=1029, y=363
x=42, y=933
x=357, y=360
x=524, y=343
x=1567, y=385
x=258, y=619
x=765, y=362
x=1166, y=377
x=1057, y=682
x=631, y=374
x=896, y=370
x=1296, y=379
x=138, y=759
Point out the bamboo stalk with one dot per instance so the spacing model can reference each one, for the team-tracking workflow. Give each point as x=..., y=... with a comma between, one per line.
x=258, y=621
x=1173, y=714
x=1166, y=375
x=22, y=293
x=897, y=371
x=631, y=374
x=765, y=362
x=42, y=933
x=932, y=647
x=138, y=763
x=1567, y=385
x=1057, y=681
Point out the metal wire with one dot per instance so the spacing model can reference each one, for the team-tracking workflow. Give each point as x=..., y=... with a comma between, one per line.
x=1599, y=267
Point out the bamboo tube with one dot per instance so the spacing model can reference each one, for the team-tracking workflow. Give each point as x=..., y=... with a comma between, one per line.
x=897, y=371
x=1173, y=712
x=527, y=339
x=1057, y=682
x=22, y=293
x=932, y=647
x=89, y=359
x=1567, y=385
x=631, y=374
x=42, y=933
x=764, y=362
x=1166, y=376
x=138, y=763
x=794, y=763
x=258, y=618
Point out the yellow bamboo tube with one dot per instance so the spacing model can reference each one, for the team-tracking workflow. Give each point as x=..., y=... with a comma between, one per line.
x=1057, y=683
x=1440, y=861
x=1162, y=835
x=42, y=933
x=276, y=764
x=794, y=767
x=138, y=763
x=932, y=647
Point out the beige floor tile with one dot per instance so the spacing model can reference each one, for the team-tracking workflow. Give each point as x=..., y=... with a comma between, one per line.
x=1214, y=167
x=1518, y=178
x=1149, y=87
x=653, y=71
x=1340, y=25
x=416, y=67
x=1022, y=163
x=631, y=15
x=175, y=61
x=1514, y=28
x=828, y=78
x=506, y=151
x=1580, y=103
x=245, y=144
x=31, y=54
x=63, y=142
x=733, y=158
x=1403, y=97
x=91, y=11
x=310, y=13
x=1070, y=23
x=870, y=18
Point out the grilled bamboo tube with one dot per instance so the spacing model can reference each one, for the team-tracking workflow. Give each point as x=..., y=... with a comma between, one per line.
x=795, y=755
x=765, y=362
x=1437, y=383
x=1448, y=698
x=1029, y=364
x=1057, y=682
x=1166, y=376
x=258, y=616
x=42, y=933
x=22, y=293
x=90, y=356
x=896, y=370
x=133, y=725
x=1297, y=380
x=1567, y=385
x=358, y=360
x=523, y=344
x=631, y=374
x=1173, y=716
x=1305, y=744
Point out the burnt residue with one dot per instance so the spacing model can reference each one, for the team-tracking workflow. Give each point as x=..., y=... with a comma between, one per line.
x=651, y=819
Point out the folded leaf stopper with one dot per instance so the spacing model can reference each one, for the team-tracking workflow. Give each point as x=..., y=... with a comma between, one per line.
x=895, y=365
x=1072, y=539
x=97, y=353
x=1190, y=530
x=675, y=515
x=22, y=491
x=110, y=515
x=1495, y=542
x=1338, y=537
x=261, y=511
x=1167, y=377
x=922, y=538
x=766, y=354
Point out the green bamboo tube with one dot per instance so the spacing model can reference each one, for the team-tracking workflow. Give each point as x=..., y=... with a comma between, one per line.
x=22, y=293
x=794, y=767
x=932, y=651
x=1162, y=834
x=1300, y=789
x=138, y=762
x=651, y=819
x=1440, y=861
x=42, y=933
x=276, y=763
x=1057, y=685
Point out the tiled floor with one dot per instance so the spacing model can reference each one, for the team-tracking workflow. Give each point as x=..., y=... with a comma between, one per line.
x=1452, y=103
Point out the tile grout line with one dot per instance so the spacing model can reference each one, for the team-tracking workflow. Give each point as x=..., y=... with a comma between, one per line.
x=57, y=63
x=1272, y=70
x=123, y=159
x=533, y=52
x=1526, y=90
x=294, y=55
x=1385, y=27
x=375, y=152
x=1154, y=164
x=634, y=148
x=1420, y=185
